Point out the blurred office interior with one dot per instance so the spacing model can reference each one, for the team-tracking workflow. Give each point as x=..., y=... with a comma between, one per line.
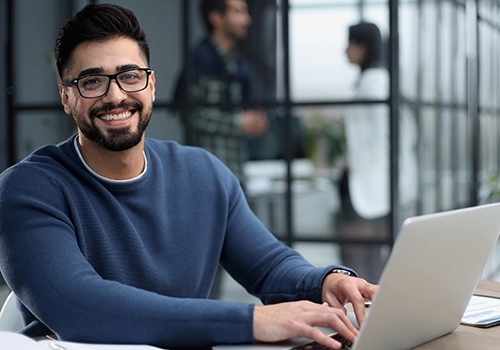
x=443, y=57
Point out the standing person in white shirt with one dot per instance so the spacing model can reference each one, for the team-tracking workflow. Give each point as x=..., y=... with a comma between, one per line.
x=365, y=185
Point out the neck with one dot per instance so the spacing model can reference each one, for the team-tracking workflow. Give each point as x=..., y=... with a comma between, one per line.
x=223, y=41
x=121, y=165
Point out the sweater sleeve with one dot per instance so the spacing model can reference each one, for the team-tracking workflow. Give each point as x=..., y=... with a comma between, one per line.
x=263, y=265
x=42, y=262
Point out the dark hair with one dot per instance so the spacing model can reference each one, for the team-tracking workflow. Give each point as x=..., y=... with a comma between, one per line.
x=97, y=23
x=368, y=35
x=208, y=6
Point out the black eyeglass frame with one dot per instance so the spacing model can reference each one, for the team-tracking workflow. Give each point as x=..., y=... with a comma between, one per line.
x=71, y=82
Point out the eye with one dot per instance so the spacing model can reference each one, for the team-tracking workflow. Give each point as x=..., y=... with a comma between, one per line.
x=92, y=82
x=129, y=77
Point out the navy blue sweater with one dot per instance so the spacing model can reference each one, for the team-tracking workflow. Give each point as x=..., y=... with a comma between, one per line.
x=93, y=260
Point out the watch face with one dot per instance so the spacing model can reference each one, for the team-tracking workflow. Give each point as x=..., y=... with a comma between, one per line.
x=344, y=272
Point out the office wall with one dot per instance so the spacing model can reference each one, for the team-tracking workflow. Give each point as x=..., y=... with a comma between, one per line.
x=36, y=25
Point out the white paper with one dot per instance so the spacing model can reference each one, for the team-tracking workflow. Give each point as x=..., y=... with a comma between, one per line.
x=482, y=311
x=10, y=340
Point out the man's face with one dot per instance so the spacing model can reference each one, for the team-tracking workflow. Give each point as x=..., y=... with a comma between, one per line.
x=236, y=19
x=117, y=120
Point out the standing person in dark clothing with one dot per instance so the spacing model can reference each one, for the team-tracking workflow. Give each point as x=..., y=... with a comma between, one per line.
x=216, y=73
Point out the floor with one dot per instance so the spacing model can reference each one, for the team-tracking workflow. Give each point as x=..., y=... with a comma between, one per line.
x=318, y=254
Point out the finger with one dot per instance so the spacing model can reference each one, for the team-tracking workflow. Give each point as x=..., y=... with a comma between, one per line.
x=338, y=321
x=359, y=305
x=370, y=292
x=343, y=317
x=334, y=302
x=346, y=328
x=359, y=310
x=323, y=339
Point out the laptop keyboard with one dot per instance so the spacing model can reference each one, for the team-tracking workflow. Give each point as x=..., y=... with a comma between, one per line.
x=346, y=345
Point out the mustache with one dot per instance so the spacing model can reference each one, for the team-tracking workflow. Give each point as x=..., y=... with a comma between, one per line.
x=110, y=106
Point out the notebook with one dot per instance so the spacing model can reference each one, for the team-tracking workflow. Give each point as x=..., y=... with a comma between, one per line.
x=433, y=270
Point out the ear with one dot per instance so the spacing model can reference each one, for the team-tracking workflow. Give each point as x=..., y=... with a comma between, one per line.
x=215, y=17
x=63, y=92
x=152, y=85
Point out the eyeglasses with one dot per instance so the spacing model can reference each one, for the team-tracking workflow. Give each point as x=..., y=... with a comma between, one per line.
x=97, y=85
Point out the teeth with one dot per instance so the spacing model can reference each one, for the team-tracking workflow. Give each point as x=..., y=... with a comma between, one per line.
x=116, y=116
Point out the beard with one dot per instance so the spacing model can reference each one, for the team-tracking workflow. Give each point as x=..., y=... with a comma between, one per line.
x=114, y=139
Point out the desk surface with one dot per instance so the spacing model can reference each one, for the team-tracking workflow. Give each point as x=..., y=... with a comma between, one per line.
x=465, y=337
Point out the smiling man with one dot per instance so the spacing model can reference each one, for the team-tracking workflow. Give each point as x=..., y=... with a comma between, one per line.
x=112, y=237
x=108, y=117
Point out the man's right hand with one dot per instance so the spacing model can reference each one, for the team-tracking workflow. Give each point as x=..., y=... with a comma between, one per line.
x=288, y=320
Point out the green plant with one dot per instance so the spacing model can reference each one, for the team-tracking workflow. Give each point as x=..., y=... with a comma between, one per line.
x=317, y=127
x=494, y=187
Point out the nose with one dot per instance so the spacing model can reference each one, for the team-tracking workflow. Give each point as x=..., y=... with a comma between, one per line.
x=115, y=93
x=248, y=19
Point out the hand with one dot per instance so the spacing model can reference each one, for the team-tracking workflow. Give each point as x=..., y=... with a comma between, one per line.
x=255, y=122
x=338, y=289
x=283, y=321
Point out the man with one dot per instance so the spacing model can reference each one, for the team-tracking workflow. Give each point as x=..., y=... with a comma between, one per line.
x=110, y=237
x=216, y=74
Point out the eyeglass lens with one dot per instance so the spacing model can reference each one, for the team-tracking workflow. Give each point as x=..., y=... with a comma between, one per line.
x=97, y=85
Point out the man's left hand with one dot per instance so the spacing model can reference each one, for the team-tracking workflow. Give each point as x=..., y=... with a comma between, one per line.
x=338, y=289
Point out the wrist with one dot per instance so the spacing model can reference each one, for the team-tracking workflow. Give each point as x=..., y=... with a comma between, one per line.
x=343, y=272
x=339, y=269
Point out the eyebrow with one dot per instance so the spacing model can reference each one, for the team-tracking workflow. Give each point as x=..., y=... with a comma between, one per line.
x=100, y=70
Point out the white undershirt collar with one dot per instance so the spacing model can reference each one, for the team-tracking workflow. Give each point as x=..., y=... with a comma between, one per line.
x=105, y=178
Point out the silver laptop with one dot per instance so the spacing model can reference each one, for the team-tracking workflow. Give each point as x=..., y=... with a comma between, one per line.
x=432, y=272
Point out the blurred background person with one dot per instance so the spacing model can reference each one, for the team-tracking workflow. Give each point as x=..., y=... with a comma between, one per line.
x=214, y=88
x=365, y=184
x=216, y=84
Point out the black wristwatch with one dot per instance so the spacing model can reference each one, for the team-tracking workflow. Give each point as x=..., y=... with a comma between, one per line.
x=343, y=272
